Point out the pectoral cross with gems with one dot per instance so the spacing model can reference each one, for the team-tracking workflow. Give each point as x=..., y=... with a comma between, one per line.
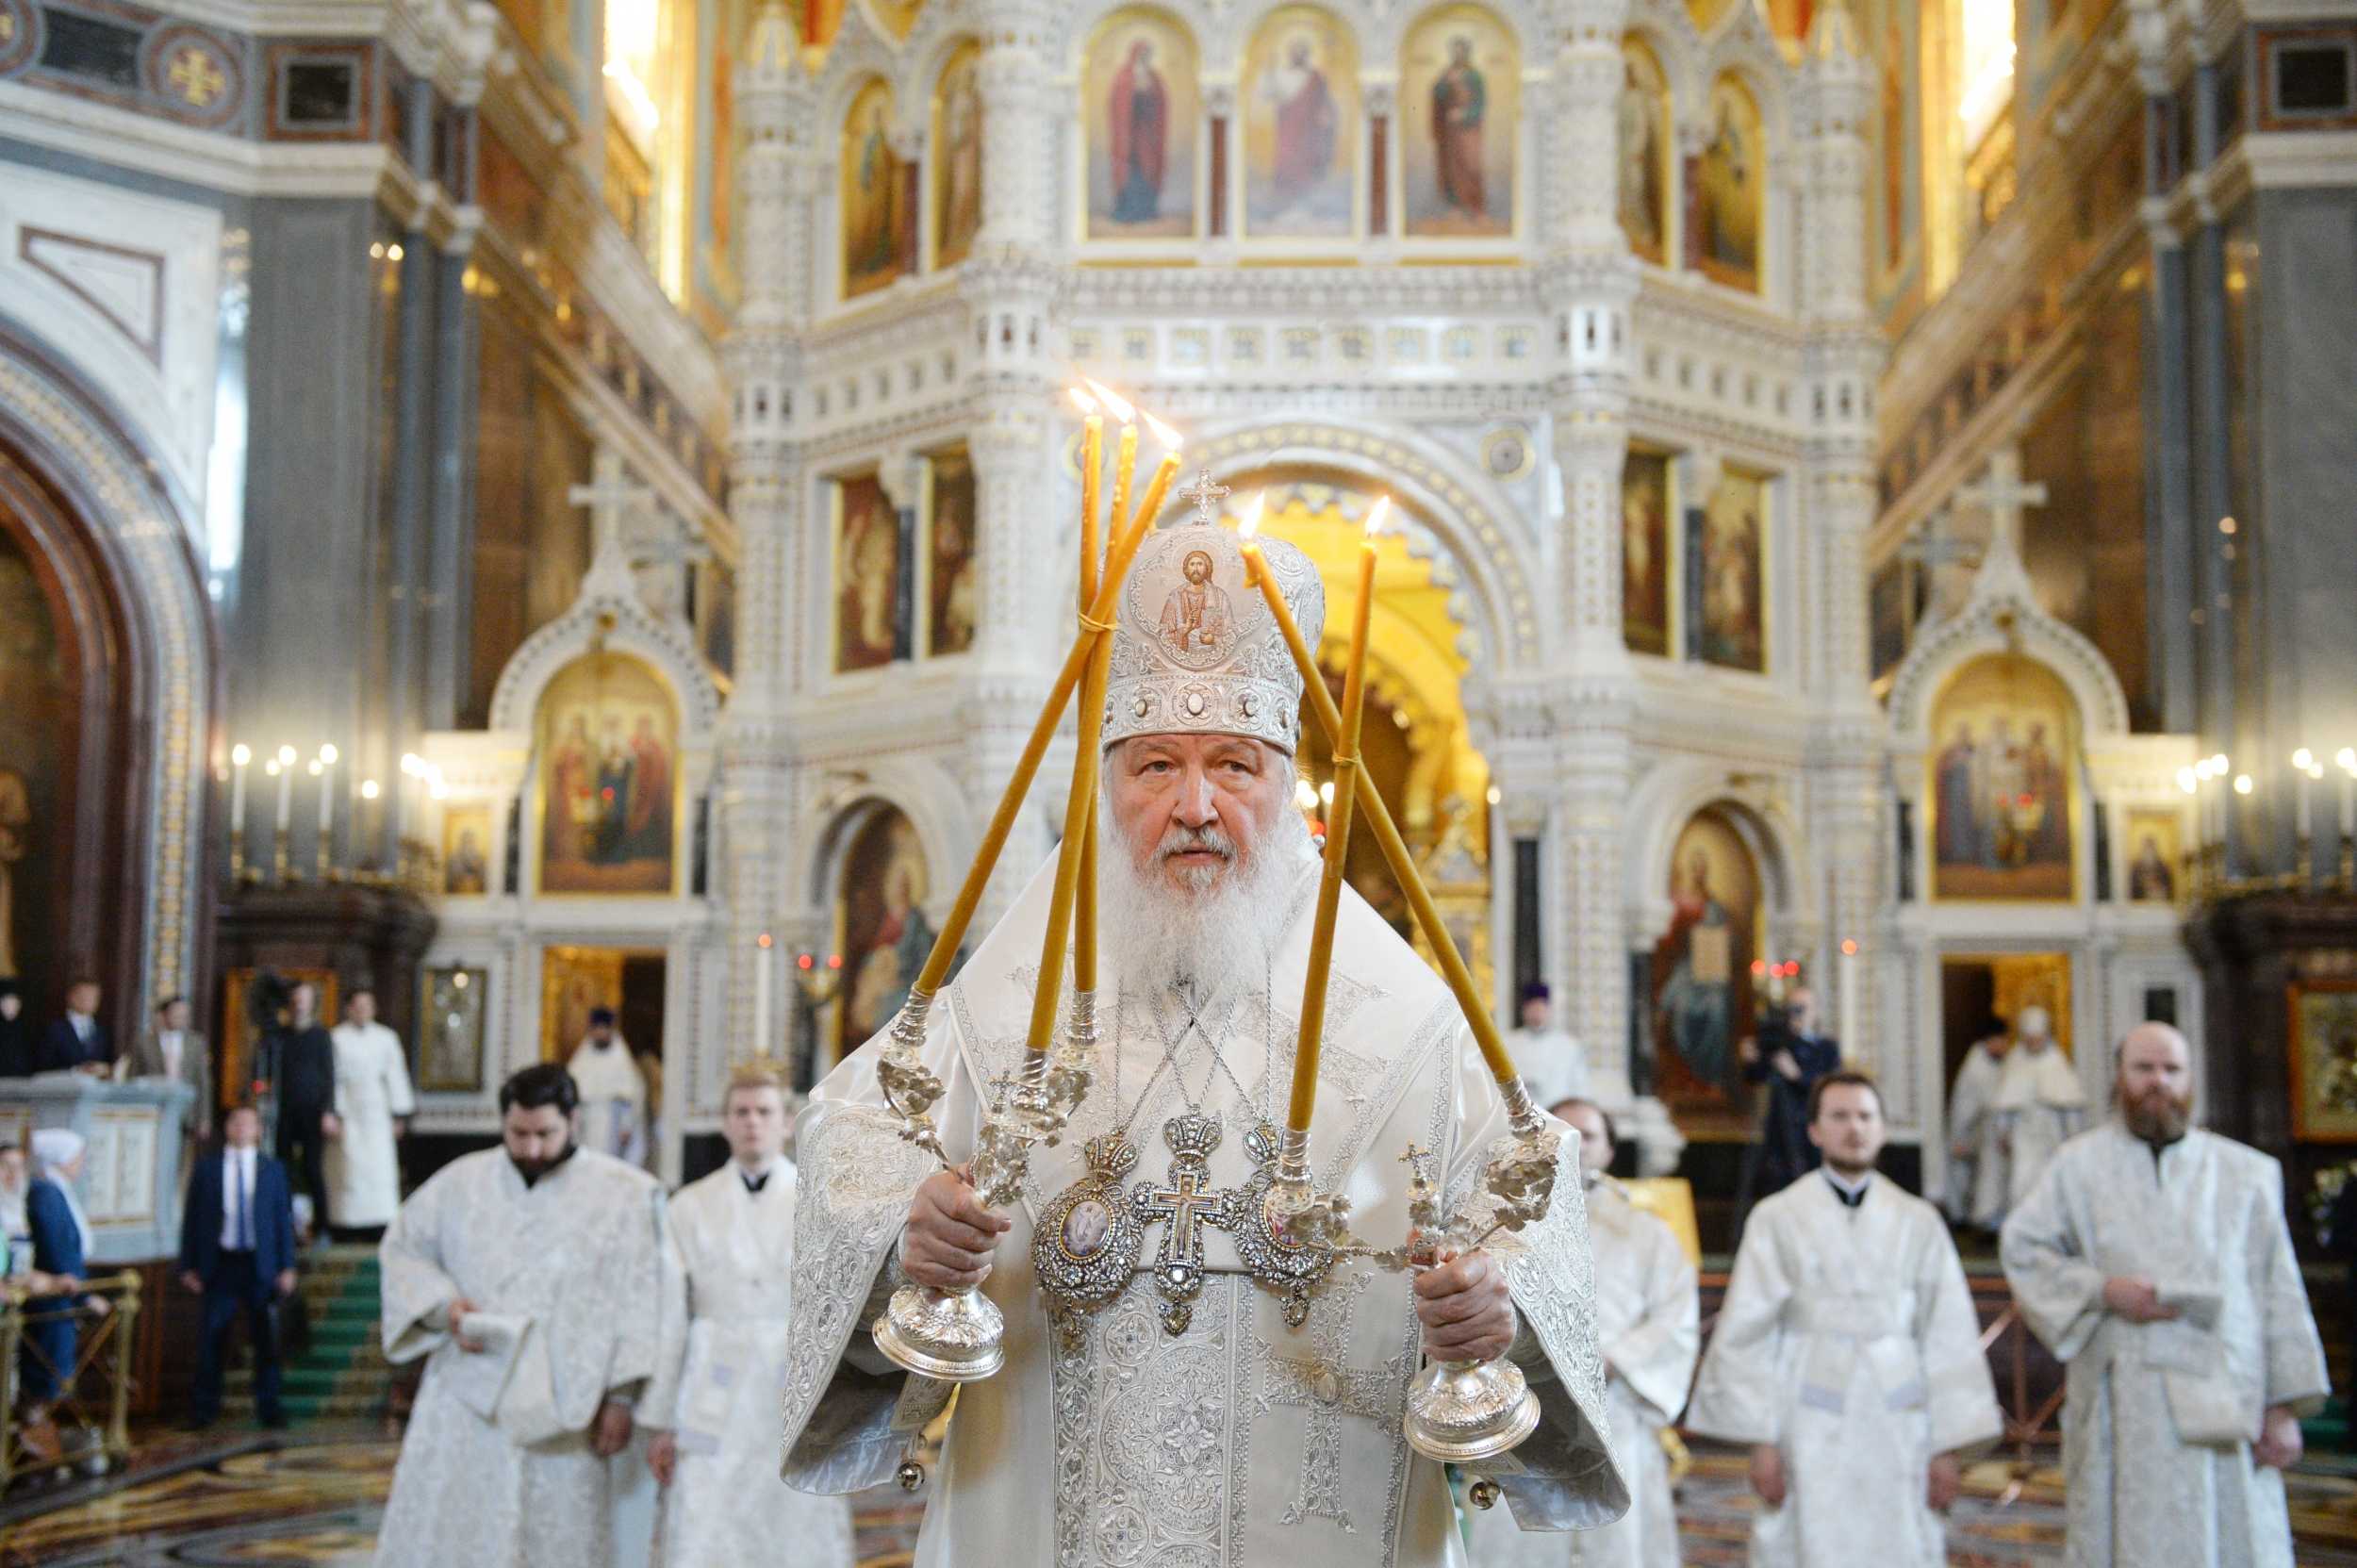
x=1185, y=1198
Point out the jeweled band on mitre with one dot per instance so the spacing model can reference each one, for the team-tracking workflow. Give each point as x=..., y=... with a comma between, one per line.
x=1196, y=649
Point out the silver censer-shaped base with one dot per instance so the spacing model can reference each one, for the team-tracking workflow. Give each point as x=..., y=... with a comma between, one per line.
x=1460, y=1412
x=960, y=1336
x=957, y=1336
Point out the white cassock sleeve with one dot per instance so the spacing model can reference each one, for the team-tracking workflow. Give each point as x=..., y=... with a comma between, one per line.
x=1960, y=1397
x=2060, y=1292
x=1741, y=1397
x=849, y=1411
x=2293, y=1352
x=399, y=1098
x=1655, y=1357
x=415, y=1292
x=658, y=1406
x=1565, y=1475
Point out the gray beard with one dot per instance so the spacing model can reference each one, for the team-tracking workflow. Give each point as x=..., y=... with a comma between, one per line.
x=1158, y=938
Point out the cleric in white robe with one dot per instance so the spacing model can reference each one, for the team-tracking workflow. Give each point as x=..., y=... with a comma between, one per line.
x=1551, y=1061
x=2154, y=1260
x=1648, y=1324
x=527, y=1276
x=1969, y=1121
x=2036, y=1106
x=374, y=1102
x=1848, y=1356
x=614, y=1110
x=1199, y=1427
x=711, y=1407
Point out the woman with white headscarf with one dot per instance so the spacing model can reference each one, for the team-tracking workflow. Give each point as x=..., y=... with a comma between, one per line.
x=61, y=1242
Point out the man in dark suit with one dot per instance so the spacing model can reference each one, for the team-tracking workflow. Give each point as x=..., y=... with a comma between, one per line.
x=303, y=1076
x=1789, y=1056
x=77, y=1042
x=237, y=1251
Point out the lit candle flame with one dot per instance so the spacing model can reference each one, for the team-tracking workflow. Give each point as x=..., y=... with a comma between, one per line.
x=2242, y=784
x=369, y=789
x=1080, y=399
x=270, y=767
x=328, y=753
x=286, y=756
x=1374, y=518
x=314, y=769
x=242, y=754
x=2348, y=759
x=1249, y=523
x=2218, y=765
x=2303, y=759
x=1168, y=437
x=1113, y=400
x=2188, y=781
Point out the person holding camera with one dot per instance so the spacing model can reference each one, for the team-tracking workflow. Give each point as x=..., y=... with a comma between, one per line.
x=1789, y=1056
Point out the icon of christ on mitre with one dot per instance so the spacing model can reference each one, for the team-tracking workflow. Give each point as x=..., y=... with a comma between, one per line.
x=1165, y=1398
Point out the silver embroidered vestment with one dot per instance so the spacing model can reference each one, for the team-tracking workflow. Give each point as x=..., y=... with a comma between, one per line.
x=1110, y=1441
x=2159, y=1419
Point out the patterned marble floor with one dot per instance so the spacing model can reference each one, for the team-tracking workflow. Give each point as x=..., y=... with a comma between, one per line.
x=315, y=1496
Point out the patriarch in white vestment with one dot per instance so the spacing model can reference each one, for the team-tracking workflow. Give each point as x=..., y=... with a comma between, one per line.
x=1649, y=1327
x=712, y=1406
x=374, y=1102
x=2154, y=1260
x=1187, y=1417
x=526, y=1276
x=1847, y=1356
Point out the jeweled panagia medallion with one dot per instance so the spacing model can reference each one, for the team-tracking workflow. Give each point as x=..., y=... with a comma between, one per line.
x=1279, y=1263
x=1087, y=1244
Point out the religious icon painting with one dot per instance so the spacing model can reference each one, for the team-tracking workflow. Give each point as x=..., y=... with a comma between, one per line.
x=2156, y=856
x=957, y=161
x=1894, y=189
x=450, y=1008
x=1301, y=123
x=40, y=726
x=241, y=1030
x=465, y=850
x=1645, y=566
x=574, y=983
x=1645, y=148
x=2324, y=1061
x=950, y=590
x=1142, y=110
x=607, y=758
x=1730, y=188
x=2001, y=779
x=884, y=934
x=874, y=219
x=868, y=602
x=1729, y=581
x=1459, y=110
x=1888, y=620
x=1702, y=998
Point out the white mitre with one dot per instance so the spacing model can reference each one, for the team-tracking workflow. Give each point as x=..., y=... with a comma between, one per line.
x=1207, y=656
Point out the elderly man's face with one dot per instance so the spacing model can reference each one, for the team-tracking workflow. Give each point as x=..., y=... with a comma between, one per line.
x=1192, y=808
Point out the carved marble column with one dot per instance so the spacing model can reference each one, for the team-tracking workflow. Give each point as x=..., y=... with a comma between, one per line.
x=1589, y=281
x=754, y=827
x=1843, y=361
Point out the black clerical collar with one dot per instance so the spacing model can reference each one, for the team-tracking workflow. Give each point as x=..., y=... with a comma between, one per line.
x=550, y=1169
x=1850, y=1196
x=752, y=1183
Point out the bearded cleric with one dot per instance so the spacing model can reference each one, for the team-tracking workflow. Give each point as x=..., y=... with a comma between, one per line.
x=1185, y=1420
